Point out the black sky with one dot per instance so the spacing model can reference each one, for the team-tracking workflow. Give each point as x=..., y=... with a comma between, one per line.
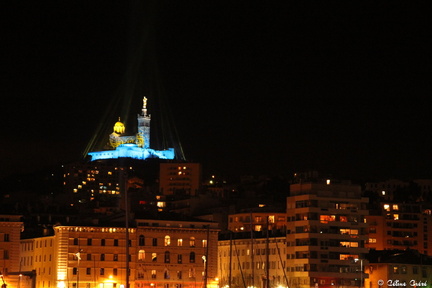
x=254, y=87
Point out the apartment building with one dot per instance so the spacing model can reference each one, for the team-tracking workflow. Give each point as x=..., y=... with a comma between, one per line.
x=256, y=221
x=398, y=225
x=326, y=235
x=180, y=178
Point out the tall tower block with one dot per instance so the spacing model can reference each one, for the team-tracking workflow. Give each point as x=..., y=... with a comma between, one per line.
x=143, y=135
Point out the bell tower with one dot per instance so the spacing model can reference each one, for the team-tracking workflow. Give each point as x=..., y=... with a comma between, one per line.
x=143, y=135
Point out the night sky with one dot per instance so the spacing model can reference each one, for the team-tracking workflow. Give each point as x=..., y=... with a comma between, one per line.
x=254, y=87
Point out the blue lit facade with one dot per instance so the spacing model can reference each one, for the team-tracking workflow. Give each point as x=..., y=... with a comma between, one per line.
x=135, y=147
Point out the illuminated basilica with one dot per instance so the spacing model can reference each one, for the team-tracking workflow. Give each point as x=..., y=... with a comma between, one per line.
x=135, y=146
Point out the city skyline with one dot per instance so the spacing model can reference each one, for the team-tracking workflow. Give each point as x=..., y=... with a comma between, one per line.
x=253, y=89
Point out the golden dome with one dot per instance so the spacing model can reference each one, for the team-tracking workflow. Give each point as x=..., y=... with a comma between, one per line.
x=119, y=127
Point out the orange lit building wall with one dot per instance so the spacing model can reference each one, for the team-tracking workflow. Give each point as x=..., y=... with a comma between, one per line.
x=10, y=228
x=180, y=178
x=400, y=226
x=240, y=222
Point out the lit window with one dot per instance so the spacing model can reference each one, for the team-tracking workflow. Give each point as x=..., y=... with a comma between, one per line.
x=372, y=240
x=192, y=242
x=271, y=219
x=167, y=240
x=141, y=255
x=179, y=242
x=204, y=243
x=347, y=257
x=395, y=216
x=327, y=218
x=395, y=207
x=154, y=257
x=386, y=207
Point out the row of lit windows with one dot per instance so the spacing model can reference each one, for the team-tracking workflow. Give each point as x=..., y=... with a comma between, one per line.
x=141, y=241
x=396, y=269
x=93, y=229
x=388, y=207
x=257, y=219
x=327, y=243
x=340, y=218
x=179, y=168
x=168, y=242
x=167, y=257
x=315, y=229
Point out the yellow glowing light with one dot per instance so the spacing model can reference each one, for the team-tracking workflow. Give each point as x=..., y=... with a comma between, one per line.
x=328, y=181
x=61, y=284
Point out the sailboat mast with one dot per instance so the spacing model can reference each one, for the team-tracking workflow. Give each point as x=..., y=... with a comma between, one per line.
x=252, y=250
x=230, y=260
x=267, y=285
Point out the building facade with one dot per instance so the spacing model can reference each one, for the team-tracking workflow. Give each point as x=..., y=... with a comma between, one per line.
x=400, y=226
x=180, y=178
x=326, y=235
x=398, y=268
x=256, y=221
x=154, y=253
x=10, y=229
x=250, y=262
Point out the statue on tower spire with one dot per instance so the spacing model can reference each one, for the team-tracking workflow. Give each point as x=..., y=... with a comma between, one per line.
x=144, y=109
